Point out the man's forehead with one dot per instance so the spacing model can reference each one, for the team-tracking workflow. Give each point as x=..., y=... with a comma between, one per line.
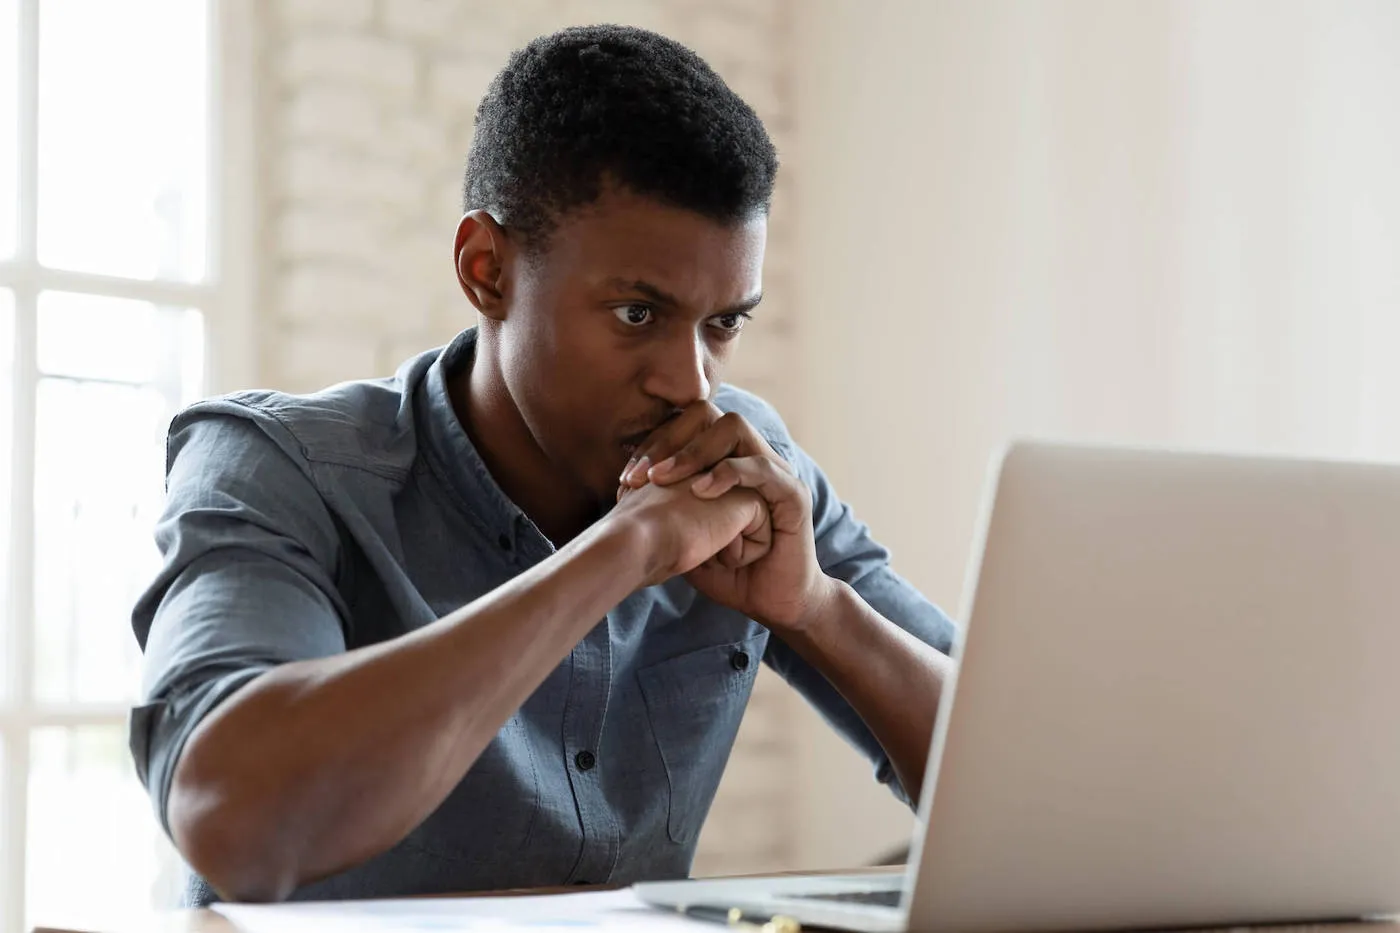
x=659, y=295
x=625, y=217
x=634, y=239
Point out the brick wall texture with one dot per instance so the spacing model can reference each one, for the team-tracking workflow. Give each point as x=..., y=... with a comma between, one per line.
x=365, y=118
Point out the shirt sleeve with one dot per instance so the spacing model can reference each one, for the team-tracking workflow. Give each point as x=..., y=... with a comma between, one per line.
x=250, y=554
x=846, y=551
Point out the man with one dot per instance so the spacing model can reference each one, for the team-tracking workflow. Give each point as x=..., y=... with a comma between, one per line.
x=494, y=622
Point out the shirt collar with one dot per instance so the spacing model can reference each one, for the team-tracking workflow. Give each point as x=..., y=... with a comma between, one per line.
x=456, y=457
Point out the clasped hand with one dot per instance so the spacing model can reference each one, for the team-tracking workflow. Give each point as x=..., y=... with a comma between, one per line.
x=737, y=518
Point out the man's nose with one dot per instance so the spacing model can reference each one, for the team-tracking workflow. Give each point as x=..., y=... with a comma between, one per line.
x=678, y=374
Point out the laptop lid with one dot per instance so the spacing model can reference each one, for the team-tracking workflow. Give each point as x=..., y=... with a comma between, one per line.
x=1178, y=699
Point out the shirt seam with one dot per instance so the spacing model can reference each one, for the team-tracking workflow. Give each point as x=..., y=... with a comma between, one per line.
x=394, y=474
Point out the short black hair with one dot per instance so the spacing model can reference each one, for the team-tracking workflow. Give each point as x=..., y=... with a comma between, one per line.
x=590, y=105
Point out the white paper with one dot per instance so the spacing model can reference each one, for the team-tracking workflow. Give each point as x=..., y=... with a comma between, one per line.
x=555, y=913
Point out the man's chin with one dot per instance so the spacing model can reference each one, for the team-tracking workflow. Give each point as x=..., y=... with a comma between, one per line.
x=604, y=492
x=609, y=476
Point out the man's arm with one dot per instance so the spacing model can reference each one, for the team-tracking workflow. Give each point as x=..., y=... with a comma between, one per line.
x=264, y=787
x=892, y=680
x=260, y=795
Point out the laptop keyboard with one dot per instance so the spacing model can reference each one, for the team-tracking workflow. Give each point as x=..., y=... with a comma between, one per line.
x=886, y=898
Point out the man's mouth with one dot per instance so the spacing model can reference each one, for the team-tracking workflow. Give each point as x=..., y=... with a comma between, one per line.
x=631, y=442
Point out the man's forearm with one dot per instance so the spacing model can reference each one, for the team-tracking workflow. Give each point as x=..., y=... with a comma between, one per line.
x=263, y=794
x=893, y=680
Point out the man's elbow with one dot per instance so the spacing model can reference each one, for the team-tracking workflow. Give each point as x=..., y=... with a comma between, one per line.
x=227, y=846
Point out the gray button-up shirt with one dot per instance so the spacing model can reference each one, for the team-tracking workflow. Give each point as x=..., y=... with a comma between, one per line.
x=303, y=526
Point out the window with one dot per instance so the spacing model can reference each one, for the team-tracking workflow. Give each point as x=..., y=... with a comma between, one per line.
x=110, y=295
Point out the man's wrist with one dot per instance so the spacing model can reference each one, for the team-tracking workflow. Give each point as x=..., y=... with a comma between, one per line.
x=820, y=608
x=634, y=548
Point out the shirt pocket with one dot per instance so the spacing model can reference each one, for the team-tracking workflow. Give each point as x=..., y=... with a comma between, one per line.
x=694, y=703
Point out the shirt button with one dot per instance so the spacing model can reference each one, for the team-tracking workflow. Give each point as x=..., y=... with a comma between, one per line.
x=585, y=760
x=740, y=660
x=504, y=542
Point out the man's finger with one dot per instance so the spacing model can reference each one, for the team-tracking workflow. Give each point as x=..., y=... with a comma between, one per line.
x=730, y=436
x=666, y=440
x=789, y=500
x=756, y=539
x=733, y=554
x=723, y=439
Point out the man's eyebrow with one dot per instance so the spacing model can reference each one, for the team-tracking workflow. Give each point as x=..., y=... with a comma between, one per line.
x=662, y=297
x=748, y=304
x=645, y=288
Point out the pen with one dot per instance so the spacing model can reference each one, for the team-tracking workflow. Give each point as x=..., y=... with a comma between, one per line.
x=737, y=919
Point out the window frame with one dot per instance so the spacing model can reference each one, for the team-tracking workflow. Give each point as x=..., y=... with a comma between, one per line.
x=225, y=297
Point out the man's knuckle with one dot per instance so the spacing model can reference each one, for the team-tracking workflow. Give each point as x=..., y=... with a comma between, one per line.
x=733, y=422
x=770, y=466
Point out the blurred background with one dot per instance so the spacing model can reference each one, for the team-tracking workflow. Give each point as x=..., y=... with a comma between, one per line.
x=1157, y=222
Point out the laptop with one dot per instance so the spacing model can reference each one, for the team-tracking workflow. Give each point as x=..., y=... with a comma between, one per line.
x=1178, y=704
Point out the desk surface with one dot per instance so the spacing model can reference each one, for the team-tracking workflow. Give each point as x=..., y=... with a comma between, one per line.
x=208, y=921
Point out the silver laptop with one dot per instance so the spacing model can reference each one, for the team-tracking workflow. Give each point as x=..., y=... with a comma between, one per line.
x=1178, y=704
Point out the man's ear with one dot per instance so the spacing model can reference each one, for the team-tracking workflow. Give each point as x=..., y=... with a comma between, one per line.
x=482, y=249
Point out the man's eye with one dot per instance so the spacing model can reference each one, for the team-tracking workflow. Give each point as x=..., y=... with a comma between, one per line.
x=633, y=315
x=730, y=323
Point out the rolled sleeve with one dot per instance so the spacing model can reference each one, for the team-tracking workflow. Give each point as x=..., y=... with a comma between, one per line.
x=250, y=555
x=846, y=550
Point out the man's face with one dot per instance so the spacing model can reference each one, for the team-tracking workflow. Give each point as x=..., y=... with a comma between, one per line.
x=629, y=313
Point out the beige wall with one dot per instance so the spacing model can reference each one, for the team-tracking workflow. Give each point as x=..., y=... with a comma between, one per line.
x=1162, y=222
